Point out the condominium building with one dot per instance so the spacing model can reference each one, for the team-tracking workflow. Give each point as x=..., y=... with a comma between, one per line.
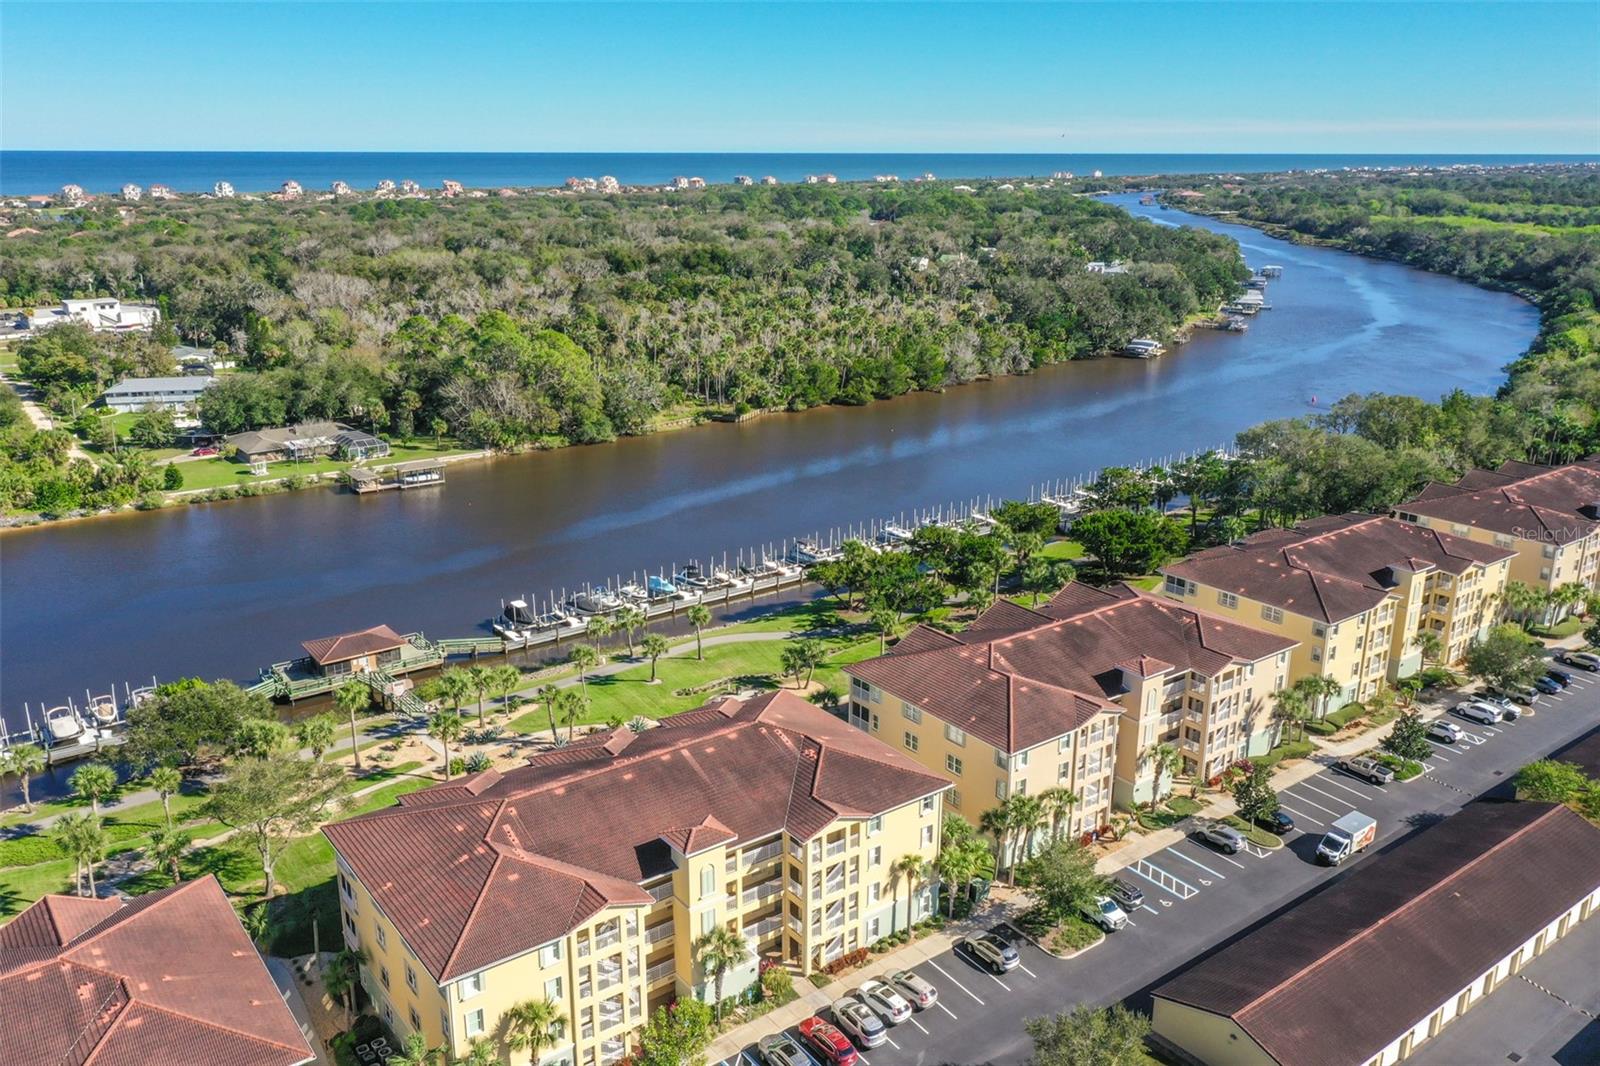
x=1353, y=591
x=1548, y=515
x=587, y=875
x=1073, y=695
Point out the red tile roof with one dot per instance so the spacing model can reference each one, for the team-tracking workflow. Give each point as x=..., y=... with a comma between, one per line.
x=1332, y=568
x=578, y=828
x=1020, y=677
x=167, y=977
x=1519, y=500
x=1348, y=970
x=349, y=645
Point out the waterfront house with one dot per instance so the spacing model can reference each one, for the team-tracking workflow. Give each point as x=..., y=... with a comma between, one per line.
x=340, y=188
x=410, y=188
x=166, y=977
x=72, y=195
x=308, y=440
x=769, y=180
x=1072, y=695
x=586, y=875
x=222, y=190
x=609, y=184
x=1365, y=972
x=743, y=179
x=103, y=314
x=1353, y=591
x=176, y=394
x=385, y=187
x=450, y=188
x=132, y=192
x=1548, y=515
x=291, y=190
x=360, y=652
x=162, y=192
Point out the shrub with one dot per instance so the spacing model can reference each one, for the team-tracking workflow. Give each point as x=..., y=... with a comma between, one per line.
x=848, y=961
x=777, y=985
x=477, y=762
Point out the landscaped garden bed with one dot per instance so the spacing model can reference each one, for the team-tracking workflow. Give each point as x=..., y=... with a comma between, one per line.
x=1404, y=769
x=1061, y=936
x=1256, y=835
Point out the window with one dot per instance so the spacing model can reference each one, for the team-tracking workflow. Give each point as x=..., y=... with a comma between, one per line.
x=383, y=938
x=955, y=736
x=708, y=881
x=470, y=986
x=874, y=892
x=416, y=1021
x=1177, y=586
x=1227, y=599
x=911, y=741
x=954, y=801
x=708, y=922
x=444, y=1023
x=552, y=989
x=383, y=976
x=927, y=836
x=550, y=954
x=928, y=802
x=874, y=825
x=1319, y=630
x=1272, y=614
x=1001, y=760
x=952, y=764
x=473, y=1022
x=999, y=790
x=1065, y=743
x=875, y=856
x=912, y=714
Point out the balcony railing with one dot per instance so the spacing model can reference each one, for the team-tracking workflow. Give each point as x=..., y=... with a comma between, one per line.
x=764, y=928
x=834, y=885
x=609, y=981
x=659, y=971
x=796, y=926
x=797, y=888
x=661, y=891
x=836, y=848
x=763, y=853
x=657, y=933
x=608, y=937
x=761, y=892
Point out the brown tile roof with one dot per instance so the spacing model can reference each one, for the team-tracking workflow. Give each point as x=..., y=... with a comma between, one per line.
x=1331, y=568
x=349, y=645
x=1019, y=677
x=1520, y=500
x=578, y=828
x=166, y=977
x=706, y=833
x=1345, y=972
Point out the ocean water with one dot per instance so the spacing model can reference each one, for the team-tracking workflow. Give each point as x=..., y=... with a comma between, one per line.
x=29, y=172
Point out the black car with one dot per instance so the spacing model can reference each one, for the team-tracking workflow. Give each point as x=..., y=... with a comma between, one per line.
x=1127, y=894
x=1560, y=677
x=1548, y=685
x=1276, y=822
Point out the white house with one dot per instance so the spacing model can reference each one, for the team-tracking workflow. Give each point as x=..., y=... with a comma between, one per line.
x=222, y=190
x=175, y=394
x=132, y=192
x=103, y=314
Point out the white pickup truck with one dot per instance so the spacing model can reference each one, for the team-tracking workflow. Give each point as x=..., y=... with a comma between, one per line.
x=1349, y=835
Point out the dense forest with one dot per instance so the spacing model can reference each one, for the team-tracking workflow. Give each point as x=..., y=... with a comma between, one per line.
x=554, y=318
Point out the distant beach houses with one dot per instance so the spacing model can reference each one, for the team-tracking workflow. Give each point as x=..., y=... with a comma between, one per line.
x=103, y=314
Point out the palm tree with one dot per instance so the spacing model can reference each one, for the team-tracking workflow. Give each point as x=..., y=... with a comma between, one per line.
x=352, y=698
x=585, y=658
x=654, y=646
x=481, y=680
x=454, y=687
x=25, y=760
x=532, y=1026
x=446, y=727
x=480, y=1052
x=548, y=695
x=1000, y=823
x=1318, y=689
x=166, y=848
x=699, y=616
x=1520, y=600
x=885, y=621
x=416, y=1052
x=629, y=619
x=81, y=836
x=600, y=627
x=1565, y=597
x=94, y=782
x=342, y=977
x=1165, y=759
x=1056, y=803
x=316, y=733
x=719, y=951
x=911, y=868
x=1428, y=643
x=1027, y=818
x=571, y=705
x=1289, y=707
x=504, y=680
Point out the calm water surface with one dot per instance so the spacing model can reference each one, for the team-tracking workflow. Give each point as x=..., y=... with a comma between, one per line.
x=218, y=590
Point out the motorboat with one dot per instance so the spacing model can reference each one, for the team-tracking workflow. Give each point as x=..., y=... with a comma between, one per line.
x=141, y=695
x=805, y=552
x=554, y=618
x=631, y=593
x=660, y=588
x=595, y=601
x=1236, y=324
x=103, y=709
x=516, y=614
x=691, y=576
x=892, y=534
x=64, y=724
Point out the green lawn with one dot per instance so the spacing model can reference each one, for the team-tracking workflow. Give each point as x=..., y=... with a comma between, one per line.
x=1062, y=549
x=1564, y=628
x=220, y=473
x=1294, y=749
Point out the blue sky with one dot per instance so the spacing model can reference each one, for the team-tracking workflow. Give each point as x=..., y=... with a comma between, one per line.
x=1068, y=77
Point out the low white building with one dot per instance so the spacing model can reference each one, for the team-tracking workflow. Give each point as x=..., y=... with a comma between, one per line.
x=176, y=394
x=162, y=192
x=103, y=314
x=222, y=190
x=132, y=192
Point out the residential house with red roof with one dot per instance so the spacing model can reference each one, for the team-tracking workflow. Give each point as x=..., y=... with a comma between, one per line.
x=587, y=875
x=1548, y=515
x=1073, y=695
x=1353, y=591
x=167, y=977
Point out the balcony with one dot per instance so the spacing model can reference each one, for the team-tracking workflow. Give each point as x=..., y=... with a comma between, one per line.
x=762, y=892
x=659, y=972
x=607, y=938
x=765, y=928
x=835, y=849
x=611, y=1013
x=832, y=885
x=762, y=854
x=612, y=1051
x=657, y=933
x=834, y=918
x=661, y=891
x=797, y=888
x=796, y=927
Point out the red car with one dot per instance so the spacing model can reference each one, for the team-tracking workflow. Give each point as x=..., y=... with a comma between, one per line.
x=204, y=451
x=830, y=1045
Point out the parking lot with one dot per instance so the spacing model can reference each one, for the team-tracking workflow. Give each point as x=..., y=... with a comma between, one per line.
x=1197, y=897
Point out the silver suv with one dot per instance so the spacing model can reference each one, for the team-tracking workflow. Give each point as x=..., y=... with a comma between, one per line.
x=993, y=952
x=1222, y=837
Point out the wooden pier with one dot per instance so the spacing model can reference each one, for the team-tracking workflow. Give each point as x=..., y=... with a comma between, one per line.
x=424, y=473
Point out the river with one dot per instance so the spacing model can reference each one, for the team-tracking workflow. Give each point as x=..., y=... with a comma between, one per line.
x=218, y=590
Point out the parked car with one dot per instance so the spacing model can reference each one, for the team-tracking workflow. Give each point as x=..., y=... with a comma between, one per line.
x=781, y=1049
x=884, y=1001
x=1104, y=912
x=1444, y=732
x=1369, y=769
x=993, y=951
x=911, y=985
x=207, y=450
x=1517, y=694
x=1560, y=677
x=859, y=1022
x=1478, y=711
x=1277, y=823
x=1126, y=893
x=827, y=1042
x=1547, y=684
x=1583, y=660
x=1509, y=712
x=1222, y=837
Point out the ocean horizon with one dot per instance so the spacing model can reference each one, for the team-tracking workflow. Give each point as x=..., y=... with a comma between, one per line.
x=24, y=173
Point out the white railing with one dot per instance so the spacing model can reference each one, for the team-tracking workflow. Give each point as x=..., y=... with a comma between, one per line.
x=797, y=888
x=608, y=937
x=835, y=885
x=797, y=926
x=836, y=848
x=763, y=853
x=657, y=933
x=765, y=928
x=761, y=892
x=659, y=971
x=661, y=891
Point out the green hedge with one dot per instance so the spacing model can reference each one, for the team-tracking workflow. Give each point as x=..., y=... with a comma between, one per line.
x=1347, y=714
x=1404, y=769
x=1321, y=729
x=1294, y=749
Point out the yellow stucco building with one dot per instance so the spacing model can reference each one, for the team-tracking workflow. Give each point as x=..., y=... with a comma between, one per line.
x=1353, y=592
x=587, y=876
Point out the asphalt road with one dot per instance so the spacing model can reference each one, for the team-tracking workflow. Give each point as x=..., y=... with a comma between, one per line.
x=1197, y=899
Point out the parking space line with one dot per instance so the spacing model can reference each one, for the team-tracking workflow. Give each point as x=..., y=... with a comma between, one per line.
x=1440, y=757
x=1311, y=803
x=859, y=1058
x=1300, y=814
x=892, y=1044
x=1352, y=791
x=918, y=1024
x=1203, y=866
x=1146, y=906
x=1161, y=879
x=997, y=980
x=1329, y=795
x=947, y=1010
x=953, y=981
x=1029, y=972
x=1256, y=849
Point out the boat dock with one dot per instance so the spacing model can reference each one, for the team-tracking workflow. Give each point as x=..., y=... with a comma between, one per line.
x=70, y=730
x=424, y=473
